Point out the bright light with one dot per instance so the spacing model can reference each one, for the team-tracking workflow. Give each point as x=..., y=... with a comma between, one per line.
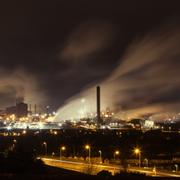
x=42, y=116
x=60, y=124
x=87, y=147
x=12, y=116
x=50, y=119
x=137, y=151
x=24, y=132
x=41, y=125
x=9, y=128
x=14, y=134
x=83, y=100
x=117, y=152
x=63, y=148
x=44, y=143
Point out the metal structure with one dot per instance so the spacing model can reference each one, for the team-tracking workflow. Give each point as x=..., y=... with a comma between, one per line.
x=98, y=106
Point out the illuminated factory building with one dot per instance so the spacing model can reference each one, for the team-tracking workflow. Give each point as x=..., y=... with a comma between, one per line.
x=19, y=110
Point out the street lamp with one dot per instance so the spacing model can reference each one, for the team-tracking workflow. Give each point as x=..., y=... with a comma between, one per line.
x=116, y=153
x=45, y=145
x=89, y=150
x=100, y=156
x=63, y=148
x=176, y=166
x=137, y=151
x=14, y=143
x=146, y=162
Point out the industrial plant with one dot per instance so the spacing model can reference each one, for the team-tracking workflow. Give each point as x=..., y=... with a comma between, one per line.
x=23, y=116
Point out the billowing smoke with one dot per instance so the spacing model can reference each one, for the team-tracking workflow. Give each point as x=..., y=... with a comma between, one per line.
x=19, y=84
x=146, y=81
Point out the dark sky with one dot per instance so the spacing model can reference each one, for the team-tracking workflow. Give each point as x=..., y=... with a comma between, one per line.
x=66, y=45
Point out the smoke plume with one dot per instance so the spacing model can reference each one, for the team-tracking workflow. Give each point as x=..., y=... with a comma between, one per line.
x=19, y=84
x=146, y=81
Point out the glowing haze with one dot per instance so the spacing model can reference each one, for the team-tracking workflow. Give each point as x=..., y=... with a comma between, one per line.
x=146, y=81
x=20, y=83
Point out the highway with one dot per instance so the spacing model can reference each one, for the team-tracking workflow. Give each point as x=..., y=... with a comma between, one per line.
x=95, y=168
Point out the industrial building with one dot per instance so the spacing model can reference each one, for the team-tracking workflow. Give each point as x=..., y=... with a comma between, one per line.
x=19, y=110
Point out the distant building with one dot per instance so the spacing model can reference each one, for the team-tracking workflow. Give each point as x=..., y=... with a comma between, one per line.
x=2, y=113
x=21, y=109
x=11, y=110
x=149, y=124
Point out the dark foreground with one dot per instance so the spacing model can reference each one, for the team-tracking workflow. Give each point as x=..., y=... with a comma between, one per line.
x=18, y=155
x=51, y=173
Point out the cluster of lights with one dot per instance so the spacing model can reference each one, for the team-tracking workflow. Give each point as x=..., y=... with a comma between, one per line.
x=14, y=133
x=53, y=132
x=11, y=117
x=45, y=116
x=88, y=147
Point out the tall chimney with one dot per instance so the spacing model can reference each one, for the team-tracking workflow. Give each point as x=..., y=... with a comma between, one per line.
x=98, y=106
x=35, y=109
x=30, y=108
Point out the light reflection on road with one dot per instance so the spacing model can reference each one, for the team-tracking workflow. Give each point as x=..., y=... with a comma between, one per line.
x=95, y=168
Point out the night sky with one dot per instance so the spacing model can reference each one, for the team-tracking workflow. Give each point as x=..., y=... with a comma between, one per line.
x=51, y=50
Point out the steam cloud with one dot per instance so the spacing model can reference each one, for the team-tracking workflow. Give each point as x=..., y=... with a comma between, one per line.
x=19, y=83
x=146, y=81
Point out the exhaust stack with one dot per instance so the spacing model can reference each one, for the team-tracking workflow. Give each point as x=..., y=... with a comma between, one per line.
x=98, y=106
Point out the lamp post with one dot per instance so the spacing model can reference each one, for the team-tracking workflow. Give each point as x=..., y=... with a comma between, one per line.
x=14, y=144
x=100, y=156
x=45, y=145
x=89, y=150
x=63, y=148
x=146, y=162
x=176, y=166
x=137, y=151
x=116, y=153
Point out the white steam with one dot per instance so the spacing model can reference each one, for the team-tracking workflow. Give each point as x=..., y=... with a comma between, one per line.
x=20, y=83
x=145, y=81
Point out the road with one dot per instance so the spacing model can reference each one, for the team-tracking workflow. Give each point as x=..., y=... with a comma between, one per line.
x=95, y=168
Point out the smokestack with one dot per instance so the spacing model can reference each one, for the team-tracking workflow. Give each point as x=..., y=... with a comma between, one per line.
x=19, y=100
x=29, y=107
x=98, y=106
x=35, y=108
